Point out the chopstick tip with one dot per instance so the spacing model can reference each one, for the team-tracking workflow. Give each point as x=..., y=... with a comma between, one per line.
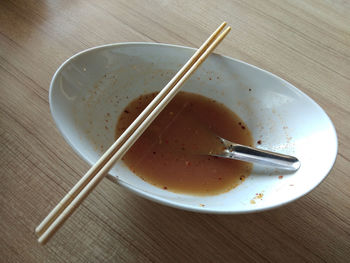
x=42, y=241
x=37, y=231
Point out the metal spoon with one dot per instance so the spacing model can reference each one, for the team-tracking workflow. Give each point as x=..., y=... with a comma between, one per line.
x=249, y=154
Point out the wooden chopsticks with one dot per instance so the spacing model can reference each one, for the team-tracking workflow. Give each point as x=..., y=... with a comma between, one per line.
x=98, y=171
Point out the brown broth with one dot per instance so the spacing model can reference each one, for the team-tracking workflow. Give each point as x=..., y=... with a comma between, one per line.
x=171, y=153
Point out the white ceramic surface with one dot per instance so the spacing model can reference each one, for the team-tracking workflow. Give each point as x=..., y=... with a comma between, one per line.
x=89, y=91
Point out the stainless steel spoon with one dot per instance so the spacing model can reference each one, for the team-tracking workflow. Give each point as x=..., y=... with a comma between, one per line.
x=249, y=154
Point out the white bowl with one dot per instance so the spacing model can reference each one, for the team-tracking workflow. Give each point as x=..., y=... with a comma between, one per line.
x=90, y=90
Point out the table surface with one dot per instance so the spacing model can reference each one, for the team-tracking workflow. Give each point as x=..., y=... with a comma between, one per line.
x=305, y=42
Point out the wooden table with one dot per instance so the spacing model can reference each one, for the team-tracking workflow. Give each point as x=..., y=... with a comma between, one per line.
x=305, y=42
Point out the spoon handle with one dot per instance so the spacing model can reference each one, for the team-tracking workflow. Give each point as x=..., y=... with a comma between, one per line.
x=263, y=157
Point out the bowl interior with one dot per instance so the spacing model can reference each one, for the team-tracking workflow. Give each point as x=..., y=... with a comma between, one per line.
x=90, y=90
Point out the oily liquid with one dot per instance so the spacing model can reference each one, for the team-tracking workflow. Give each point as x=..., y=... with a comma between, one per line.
x=171, y=153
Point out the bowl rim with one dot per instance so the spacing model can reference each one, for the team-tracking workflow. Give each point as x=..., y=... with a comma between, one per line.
x=165, y=201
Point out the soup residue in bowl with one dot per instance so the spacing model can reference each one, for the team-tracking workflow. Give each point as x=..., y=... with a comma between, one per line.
x=172, y=152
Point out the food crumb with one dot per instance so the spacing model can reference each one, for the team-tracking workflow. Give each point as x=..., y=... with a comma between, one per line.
x=259, y=196
x=165, y=188
x=201, y=205
x=242, y=178
x=250, y=89
x=252, y=202
x=280, y=177
x=209, y=78
x=259, y=142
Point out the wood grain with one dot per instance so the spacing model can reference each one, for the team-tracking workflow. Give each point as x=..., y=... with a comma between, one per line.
x=305, y=42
